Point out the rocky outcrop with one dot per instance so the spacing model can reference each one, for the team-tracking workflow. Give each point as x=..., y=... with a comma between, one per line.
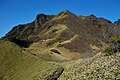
x=23, y=32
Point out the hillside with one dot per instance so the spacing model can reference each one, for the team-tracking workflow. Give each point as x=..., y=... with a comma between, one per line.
x=62, y=47
x=97, y=68
x=17, y=64
x=64, y=36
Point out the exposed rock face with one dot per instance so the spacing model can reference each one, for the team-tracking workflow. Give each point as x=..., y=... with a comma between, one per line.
x=117, y=27
x=23, y=32
x=65, y=30
x=117, y=22
x=41, y=19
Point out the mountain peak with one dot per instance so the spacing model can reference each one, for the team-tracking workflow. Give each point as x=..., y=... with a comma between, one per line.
x=117, y=22
x=66, y=11
x=66, y=28
x=64, y=14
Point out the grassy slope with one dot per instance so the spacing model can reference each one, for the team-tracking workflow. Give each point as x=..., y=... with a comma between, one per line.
x=43, y=47
x=14, y=65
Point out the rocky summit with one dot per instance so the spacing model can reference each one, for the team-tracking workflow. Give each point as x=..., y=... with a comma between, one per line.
x=62, y=47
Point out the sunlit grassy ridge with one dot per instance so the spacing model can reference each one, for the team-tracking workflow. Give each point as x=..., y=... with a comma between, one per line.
x=58, y=36
x=15, y=65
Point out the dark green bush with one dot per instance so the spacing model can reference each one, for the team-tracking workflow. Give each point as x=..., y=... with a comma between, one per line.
x=109, y=51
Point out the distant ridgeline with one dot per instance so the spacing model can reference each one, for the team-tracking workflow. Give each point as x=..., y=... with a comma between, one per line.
x=79, y=34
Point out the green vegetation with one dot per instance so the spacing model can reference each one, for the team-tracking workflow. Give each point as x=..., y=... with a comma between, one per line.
x=113, y=47
x=96, y=68
x=109, y=51
x=61, y=47
x=17, y=64
x=53, y=74
x=114, y=38
x=61, y=15
x=82, y=17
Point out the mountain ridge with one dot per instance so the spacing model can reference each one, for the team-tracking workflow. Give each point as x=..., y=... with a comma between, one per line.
x=61, y=47
x=66, y=30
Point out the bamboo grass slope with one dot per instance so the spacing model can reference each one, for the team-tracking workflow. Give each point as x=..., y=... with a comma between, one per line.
x=62, y=47
x=16, y=65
